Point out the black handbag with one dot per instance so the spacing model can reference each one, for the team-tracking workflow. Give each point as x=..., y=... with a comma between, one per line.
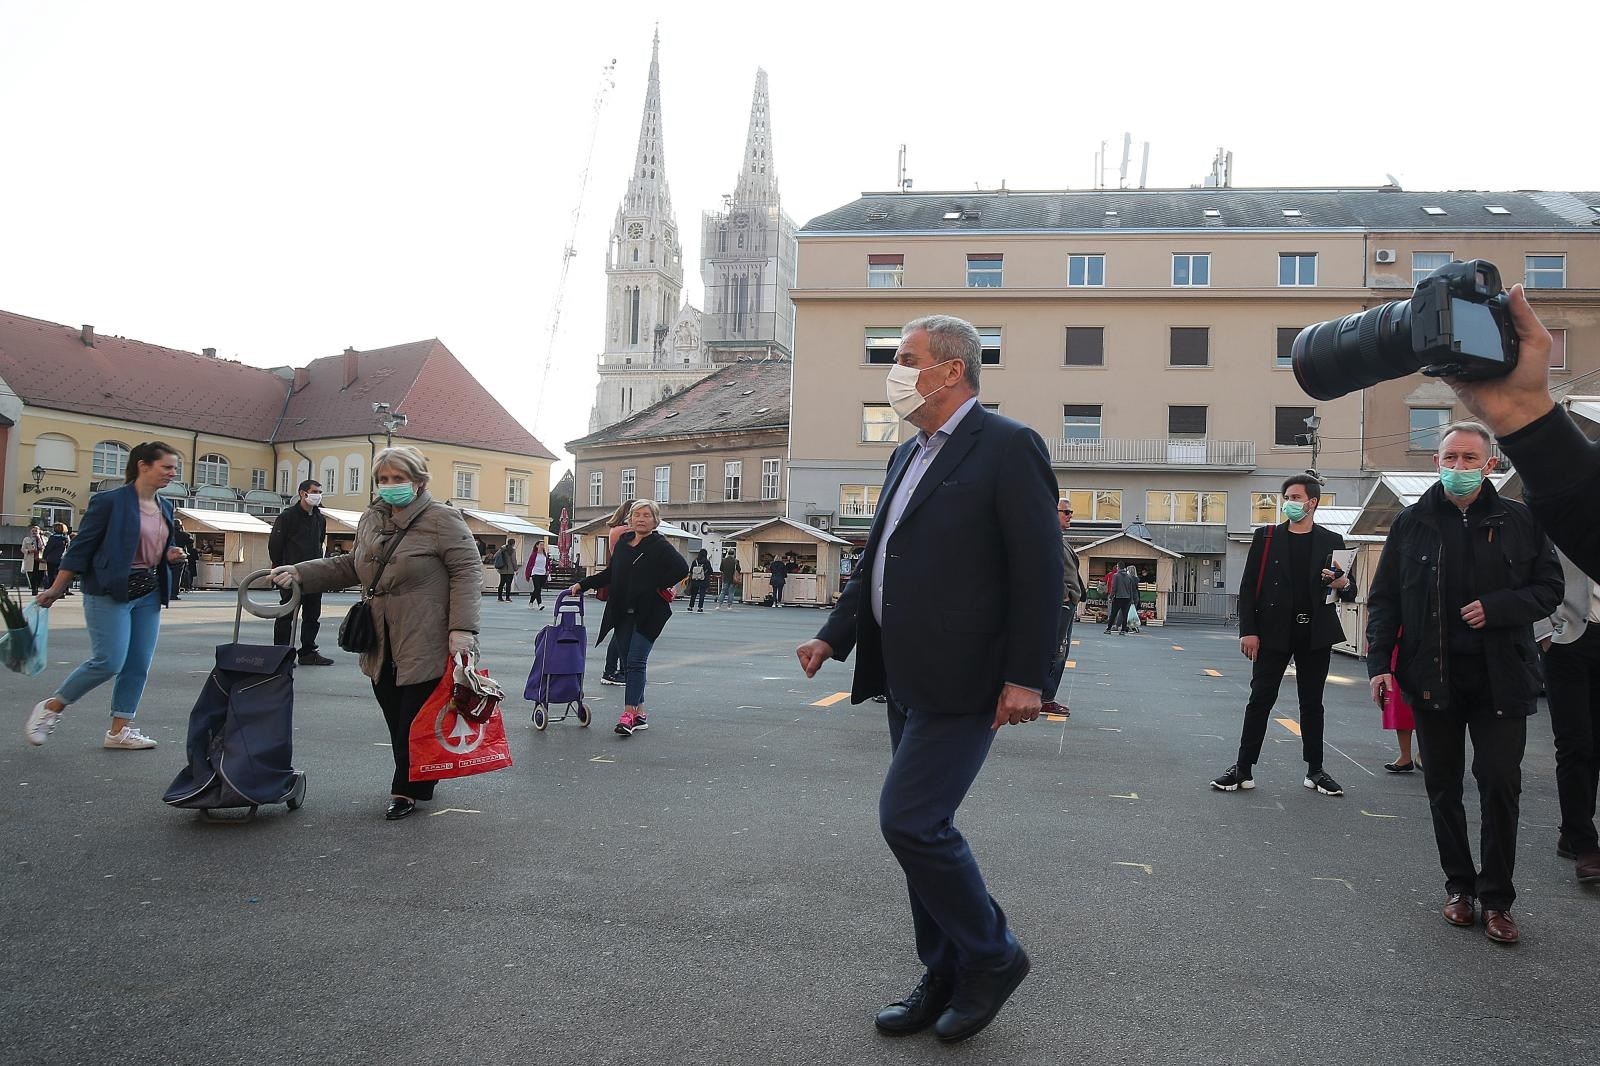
x=357, y=634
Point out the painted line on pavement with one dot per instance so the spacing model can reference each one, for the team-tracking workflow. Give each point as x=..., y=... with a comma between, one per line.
x=1369, y=814
x=1146, y=867
x=1055, y=718
x=1290, y=724
x=829, y=701
x=1212, y=673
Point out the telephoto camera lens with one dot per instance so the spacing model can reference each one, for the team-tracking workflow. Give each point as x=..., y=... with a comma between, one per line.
x=1335, y=358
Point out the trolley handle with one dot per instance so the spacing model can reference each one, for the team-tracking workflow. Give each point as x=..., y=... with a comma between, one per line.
x=563, y=598
x=260, y=609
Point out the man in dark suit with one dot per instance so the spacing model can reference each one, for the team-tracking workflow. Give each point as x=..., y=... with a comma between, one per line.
x=954, y=669
x=1285, y=613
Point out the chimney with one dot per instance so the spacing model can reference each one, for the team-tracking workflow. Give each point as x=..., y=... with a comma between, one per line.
x=352, y=361
x=302, y=378
x=209, y=353
x=88, y=336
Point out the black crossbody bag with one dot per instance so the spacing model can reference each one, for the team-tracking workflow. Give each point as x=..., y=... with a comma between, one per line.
x=357, y=633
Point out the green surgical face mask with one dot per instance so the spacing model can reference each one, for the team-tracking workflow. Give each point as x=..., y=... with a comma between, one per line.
x=1294, y=510
x=1459, y=483
x=399, y=495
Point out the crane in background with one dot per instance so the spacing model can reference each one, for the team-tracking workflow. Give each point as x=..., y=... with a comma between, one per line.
x=570, y=250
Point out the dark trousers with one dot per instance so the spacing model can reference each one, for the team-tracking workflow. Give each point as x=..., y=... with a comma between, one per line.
x=35, y=577
x=187, y=582
x=537, y=595
x=616, y=651
x=1058, y=661
x=697, y=594
x=1497, y=745
x=777, y=594
x=1572, y=681
x=400, y=704
x=1266, y=677
x=1118, y=615
x=504, y=591
x=936, y=757
x=310, y=622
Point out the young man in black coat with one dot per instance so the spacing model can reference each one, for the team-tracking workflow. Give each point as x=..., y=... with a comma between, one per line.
x=1285, y=613
x=1463, y=578
x=297, y=535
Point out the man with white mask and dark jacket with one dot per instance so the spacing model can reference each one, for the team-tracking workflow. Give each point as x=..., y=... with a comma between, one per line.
x=297, y=536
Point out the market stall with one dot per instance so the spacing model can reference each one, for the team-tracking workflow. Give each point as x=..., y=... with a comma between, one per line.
x=231, y=545
x=341, y=530
x=816, y=555
x=491, y=529
x=1153, y=563
x=591, y=543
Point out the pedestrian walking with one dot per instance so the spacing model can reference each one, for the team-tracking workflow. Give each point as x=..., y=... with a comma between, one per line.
x=424, y=607
x=643, y=570
x=954, y=671
x=181, y=581
x=1571, y=639
x=537, y=573
x=1285, y=613
x=1124, y=597
x=297, y=535
x=33, y=564
x=505, y=563
x=55, y=546
x=611, y=673
x=1072, y=591
x=1398, y=718
x=125, y=554
x=699, y=580
x=192, y=566
x=732, y=574
x=779, y=570
x=1463, y=577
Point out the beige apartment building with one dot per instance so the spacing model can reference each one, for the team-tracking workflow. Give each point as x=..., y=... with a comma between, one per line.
x=1145, y=335
x=713, y=456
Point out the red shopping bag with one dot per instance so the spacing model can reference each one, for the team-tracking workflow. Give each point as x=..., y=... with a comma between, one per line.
x=446, y=743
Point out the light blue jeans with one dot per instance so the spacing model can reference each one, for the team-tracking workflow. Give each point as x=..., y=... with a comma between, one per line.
x=122, y=641
x=635, y=657
x=726, y=595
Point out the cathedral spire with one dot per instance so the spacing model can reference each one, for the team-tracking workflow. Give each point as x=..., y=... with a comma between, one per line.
x=758, y=183
x=647, y=188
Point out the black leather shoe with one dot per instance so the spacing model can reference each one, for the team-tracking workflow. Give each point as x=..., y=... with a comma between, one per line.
x=918, y=1010
x=399, y=807
x=314, y=659
x=979, y=995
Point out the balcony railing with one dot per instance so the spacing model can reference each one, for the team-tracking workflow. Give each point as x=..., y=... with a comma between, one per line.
x=857, y=509
x=1114, y=451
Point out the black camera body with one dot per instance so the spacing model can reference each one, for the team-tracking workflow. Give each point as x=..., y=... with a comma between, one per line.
x=1456, y=324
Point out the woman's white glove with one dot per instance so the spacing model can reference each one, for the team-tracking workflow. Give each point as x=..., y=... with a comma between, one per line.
x=463, y=643
x=284, y=576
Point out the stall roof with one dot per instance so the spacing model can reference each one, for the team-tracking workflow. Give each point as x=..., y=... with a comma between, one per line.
x=1127, y=536
x=223, y=521
x=597, y=525
x=1394, y=492
x=509, y=523
x=820, y=534
x=346, y=519
x=1338, y=519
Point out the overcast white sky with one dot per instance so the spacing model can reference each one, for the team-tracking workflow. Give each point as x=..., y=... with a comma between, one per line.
x=281, y=180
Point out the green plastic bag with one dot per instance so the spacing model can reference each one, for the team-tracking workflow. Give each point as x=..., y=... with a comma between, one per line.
x=24, y=647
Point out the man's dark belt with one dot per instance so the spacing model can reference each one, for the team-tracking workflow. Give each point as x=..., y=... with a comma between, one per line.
x=142, y=581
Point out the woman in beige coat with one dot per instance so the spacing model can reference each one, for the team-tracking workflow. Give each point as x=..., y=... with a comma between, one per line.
x=424, y=609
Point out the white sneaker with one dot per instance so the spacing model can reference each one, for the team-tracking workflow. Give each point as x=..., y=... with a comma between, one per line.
x=129, y=738
x=41, y=722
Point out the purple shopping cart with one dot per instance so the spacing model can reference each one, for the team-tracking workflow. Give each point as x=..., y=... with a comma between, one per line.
x=557, y=674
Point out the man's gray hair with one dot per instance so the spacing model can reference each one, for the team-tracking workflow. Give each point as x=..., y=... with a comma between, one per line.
x=950, y=337
x=402, y=459
x=1468, y=427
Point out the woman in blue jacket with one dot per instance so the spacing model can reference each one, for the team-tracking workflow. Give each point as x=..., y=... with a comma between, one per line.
x=124, y=552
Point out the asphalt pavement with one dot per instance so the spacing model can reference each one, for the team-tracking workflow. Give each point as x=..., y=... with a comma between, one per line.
x=714, y=889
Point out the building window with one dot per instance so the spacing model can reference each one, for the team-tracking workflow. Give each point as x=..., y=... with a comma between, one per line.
x=989, y=336
x=516, y=490
x=697, y=482
x=1096, y=505
x=466, y=484
x=663, y=484
x=597, y=487
x=858, y=501
x=1205, y=508
x=284, y=480
x=110, y=459
x=1545, y=271
x=55, y=452
x=1425, y=425
x=1264, y=507
x=1086, y=270
x=1558, y=349
x=769, y=479
x=1297, y=268
x=258, y=480
x=886, y=271
x=732, y=479
x=211, y=470
x=330, y=476
x=881, y=344
x=1080, y=421
x=50, y=511
x=1190, y=346
x=1086, y=346
x=983, y=270
x=629, y=484
x=352, y=473
x=1186, y=422
x=879, y=424
x=1289, y=429
x=1425, y=263
x=1191, y=269
x=1286, y=336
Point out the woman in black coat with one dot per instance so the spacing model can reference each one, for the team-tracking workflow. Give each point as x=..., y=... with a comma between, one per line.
x=643, y=571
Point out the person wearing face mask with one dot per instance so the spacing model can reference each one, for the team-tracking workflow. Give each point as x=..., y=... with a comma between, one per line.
x=1285, y=613
x=424, y=607
x=1464, y=576
x=954, y=669
x=297, y=535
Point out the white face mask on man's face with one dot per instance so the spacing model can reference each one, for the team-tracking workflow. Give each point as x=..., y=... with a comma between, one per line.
x=314, y=499
x=902, y=388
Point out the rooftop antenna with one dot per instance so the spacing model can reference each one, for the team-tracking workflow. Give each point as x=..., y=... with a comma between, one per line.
x=1144, y=166
x=902, y=183
x=1127, y=149
x=1221, y=176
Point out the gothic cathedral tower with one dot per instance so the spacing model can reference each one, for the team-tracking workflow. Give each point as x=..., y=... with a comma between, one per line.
x=652, y=343
x=747, y=256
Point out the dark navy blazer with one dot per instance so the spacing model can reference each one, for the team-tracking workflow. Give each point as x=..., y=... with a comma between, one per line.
x=102, y=552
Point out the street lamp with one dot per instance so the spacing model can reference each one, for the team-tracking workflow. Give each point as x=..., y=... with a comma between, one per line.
x=38, y=476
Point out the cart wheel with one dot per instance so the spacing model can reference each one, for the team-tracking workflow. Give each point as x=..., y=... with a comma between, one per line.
x=583, y=715
x=540, y=719
x=297, y=794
